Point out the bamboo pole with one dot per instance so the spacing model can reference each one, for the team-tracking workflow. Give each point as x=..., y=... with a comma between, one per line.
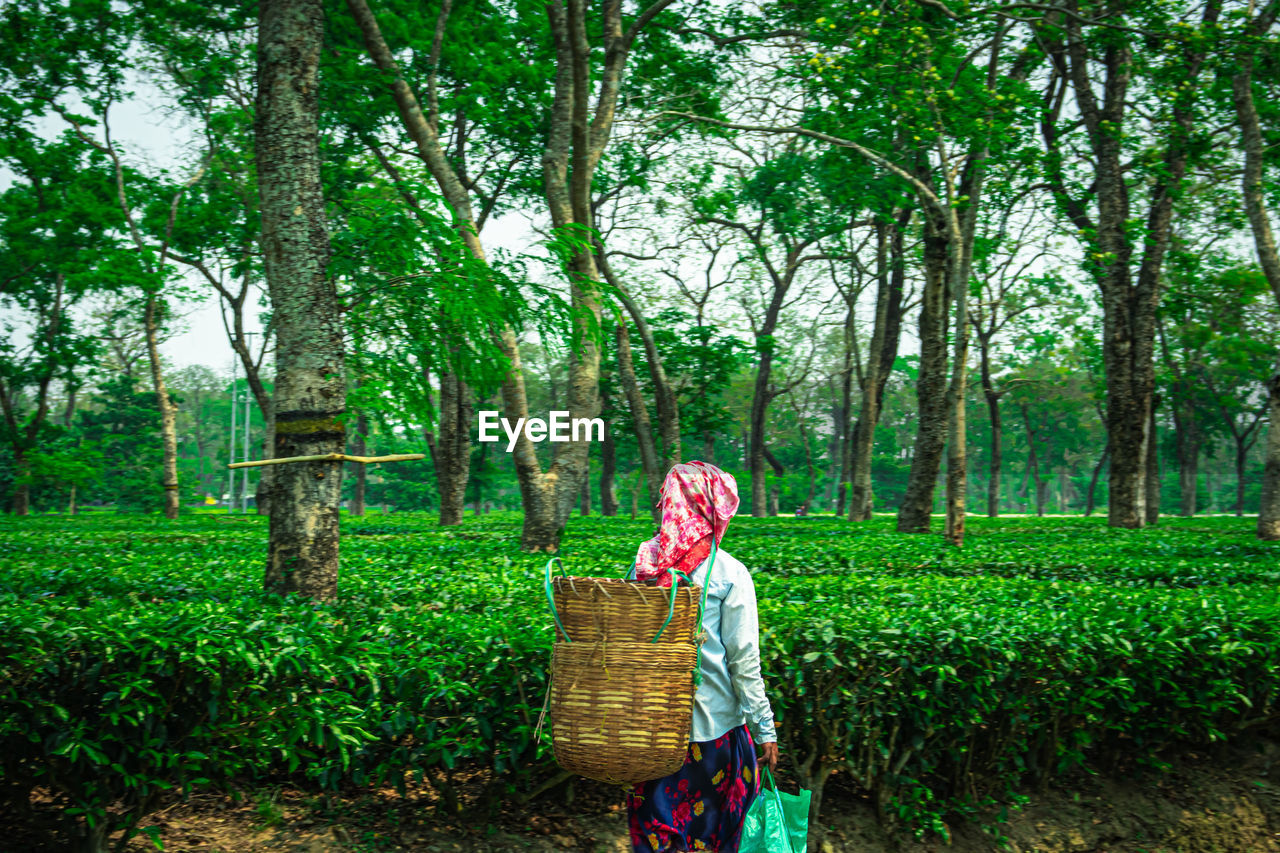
x=332, y=457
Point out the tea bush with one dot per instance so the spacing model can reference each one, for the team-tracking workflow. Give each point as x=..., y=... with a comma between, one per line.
x=137, y=656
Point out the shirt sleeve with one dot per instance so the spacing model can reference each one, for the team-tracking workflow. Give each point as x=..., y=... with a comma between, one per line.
x=740, y=632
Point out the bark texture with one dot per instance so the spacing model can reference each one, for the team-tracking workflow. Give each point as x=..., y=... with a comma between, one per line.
x=1269, y=510
x=1128, y=300
x=664, y=395
x=1152, y=476
x=1033, y=461
x=359, y=446
x=608, y=458
x=310, y=388
x=957, y=414
x=649, y=464
x=842, y=416
x=1188, y=438
x=992, y=396
x=1264, y=241
x=453, y=447
x=880, y=358
x=168, y=411
x=931, y=387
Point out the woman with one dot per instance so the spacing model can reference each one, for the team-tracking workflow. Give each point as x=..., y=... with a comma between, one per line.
x=702, y=805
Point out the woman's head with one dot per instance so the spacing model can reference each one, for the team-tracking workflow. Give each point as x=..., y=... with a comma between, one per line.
x=697, y=500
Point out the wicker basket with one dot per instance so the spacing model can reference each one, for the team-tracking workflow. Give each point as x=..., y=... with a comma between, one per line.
x=622, y=685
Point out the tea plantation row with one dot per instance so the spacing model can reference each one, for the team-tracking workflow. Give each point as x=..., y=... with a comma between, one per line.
x=137, y=656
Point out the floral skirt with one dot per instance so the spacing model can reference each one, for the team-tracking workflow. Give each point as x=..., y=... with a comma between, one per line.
x=701, y=806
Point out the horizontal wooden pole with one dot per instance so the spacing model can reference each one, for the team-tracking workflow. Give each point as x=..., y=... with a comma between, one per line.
x=331, y=457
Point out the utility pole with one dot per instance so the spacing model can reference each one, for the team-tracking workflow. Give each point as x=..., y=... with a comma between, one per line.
x=231, y=444
x=244, y=501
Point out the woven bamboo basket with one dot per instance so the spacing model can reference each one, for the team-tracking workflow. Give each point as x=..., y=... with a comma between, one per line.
x=622, y=684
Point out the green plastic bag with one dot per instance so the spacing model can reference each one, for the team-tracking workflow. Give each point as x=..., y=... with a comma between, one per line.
x=777, y=822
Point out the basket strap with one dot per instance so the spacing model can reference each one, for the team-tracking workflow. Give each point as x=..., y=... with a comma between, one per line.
x=671, y=604
x=702, y=609
x=551, y=601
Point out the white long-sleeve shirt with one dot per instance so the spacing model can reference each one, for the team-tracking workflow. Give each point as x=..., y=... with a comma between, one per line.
x=732, y=691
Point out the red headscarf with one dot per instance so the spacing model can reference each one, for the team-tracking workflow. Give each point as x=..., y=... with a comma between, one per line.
x=697, y=502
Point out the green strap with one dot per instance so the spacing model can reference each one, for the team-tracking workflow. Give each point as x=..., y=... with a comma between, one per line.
x=671, y=603
x=551, y=598
x=702, y=609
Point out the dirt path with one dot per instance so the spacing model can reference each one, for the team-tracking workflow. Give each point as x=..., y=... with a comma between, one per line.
x=1226, y=800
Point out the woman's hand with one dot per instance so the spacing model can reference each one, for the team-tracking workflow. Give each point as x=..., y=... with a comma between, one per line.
x=769, y=755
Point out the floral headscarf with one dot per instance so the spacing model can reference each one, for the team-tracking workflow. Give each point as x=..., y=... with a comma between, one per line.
x=697, y=502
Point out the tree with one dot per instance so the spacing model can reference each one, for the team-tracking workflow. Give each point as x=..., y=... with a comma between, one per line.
x=123, y=429
x=1259, y=41
x=881, y=355
x=310, y=379
x=56, y=223
x=1004, y=291
x=1096, y=49
x=780, y=210
x=573, y=136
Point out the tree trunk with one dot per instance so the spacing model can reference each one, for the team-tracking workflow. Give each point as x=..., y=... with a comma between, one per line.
x=1188, y=443
x=664, y=396
x=1152, y=475
x=1254, y=145
x=1187, y=437
x=931, y=386
x=813, y=473
x=1093, y=480
x=1269, y=509
x=837, y=454
x=608, y=461
x=1128, y=305
x=310, y=387
x=957, y=414
x=762, y=394
x=1033, y=461
x=881, y=355
x=756, y=451
x=168, y=412
x=997, y=429
x=584, y=499
x=21, y=503
x=649, y=463
x=1242, y=454
x=359, y=447
x=843, y=438
x=453, y=447
x=479, y=508
x=778, y=472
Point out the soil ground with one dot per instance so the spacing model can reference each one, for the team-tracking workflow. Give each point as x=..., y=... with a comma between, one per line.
x=1223, y=800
